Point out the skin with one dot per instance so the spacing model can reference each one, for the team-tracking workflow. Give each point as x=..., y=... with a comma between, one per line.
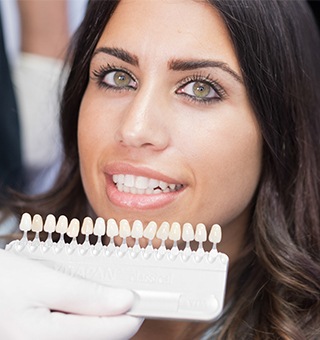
x=154, y=127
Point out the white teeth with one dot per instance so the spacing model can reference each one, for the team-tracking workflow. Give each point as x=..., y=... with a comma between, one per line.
x=62, y=224
x=187, y=232
x=215, y=234
x=163, y=231
x=50, y=224
x=37, y=223
x=112, y=228
x=153, y=183
x=125, y=230
x=87, y=226
x=142, y=185
x=25, y=223
x=163, y=185
x=99, y=228
x=137, y=229
x=150, y=230
x=141, y=182
x=201, y=233
x=175, y=232
x=74, y=227
x=129, y=181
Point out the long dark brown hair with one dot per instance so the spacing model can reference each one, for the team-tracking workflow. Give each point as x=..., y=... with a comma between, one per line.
x=278, y=280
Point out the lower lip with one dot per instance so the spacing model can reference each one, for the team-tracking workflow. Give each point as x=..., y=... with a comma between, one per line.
x=138, y=202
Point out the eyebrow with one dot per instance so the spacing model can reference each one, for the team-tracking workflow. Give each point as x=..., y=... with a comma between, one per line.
x=118, y=53
x=175, y=64
x=185, y=65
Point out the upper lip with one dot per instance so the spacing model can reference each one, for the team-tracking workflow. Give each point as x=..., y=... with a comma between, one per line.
x=126, y=169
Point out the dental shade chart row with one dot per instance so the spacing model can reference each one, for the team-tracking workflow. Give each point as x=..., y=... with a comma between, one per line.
x=170, y=283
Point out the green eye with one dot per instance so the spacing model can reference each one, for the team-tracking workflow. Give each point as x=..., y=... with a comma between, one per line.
x=119, y=80
x=201, y=89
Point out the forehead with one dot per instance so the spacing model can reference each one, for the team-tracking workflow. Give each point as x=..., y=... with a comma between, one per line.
x=169, y=28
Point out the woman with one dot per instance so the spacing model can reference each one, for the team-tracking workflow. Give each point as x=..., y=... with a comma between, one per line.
x=217, y=101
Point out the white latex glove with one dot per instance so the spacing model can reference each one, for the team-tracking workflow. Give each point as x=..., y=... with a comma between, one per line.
x=39, y=303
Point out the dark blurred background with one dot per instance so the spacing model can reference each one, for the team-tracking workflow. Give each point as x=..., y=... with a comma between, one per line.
x=315, y=5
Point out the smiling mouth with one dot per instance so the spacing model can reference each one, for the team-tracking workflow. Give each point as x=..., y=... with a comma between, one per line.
x=141, y=185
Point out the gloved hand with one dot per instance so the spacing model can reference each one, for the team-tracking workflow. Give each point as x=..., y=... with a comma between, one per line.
x=39, y=303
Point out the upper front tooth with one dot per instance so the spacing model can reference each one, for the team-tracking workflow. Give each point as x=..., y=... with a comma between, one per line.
x=129, y=181
x=153, y=183
x=141, y=182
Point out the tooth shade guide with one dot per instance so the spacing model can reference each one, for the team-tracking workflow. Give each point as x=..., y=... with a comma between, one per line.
x=165, y=285
x=135, y=233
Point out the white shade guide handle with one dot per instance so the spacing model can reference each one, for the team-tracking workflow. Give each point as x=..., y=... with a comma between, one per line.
x=25, y=222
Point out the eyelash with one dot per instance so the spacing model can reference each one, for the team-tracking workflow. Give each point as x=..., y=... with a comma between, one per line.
x=103, y=71
x=214, y=84
x=100, y=74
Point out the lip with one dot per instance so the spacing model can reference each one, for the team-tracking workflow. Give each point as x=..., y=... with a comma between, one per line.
x=138, y=202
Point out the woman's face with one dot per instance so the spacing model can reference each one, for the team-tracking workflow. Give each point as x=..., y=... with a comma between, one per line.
x=166, y=130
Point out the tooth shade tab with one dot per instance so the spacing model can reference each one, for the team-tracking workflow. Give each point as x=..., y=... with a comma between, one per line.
x=25, y=222
x=37, y=223
x=215, y=234
x=112, y=228
x=74, y=228
x=87, y=226
x=163, y=231
x=150, y=230
x=201, y=233
x=62, y=225
x=125, y=230
x=137, y=229
x=175, y=232
x=50, y=224
x=187, y=232
x=99, y=227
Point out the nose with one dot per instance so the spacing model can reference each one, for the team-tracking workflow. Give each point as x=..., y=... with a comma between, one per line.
x=143, y=123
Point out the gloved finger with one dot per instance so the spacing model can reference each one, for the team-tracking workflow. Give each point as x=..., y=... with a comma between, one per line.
x=41, y=324
x=87, y=327
x=44, y=287
x=78, y=296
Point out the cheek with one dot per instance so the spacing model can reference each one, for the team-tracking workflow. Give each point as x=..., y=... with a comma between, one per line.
x=226, y=165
